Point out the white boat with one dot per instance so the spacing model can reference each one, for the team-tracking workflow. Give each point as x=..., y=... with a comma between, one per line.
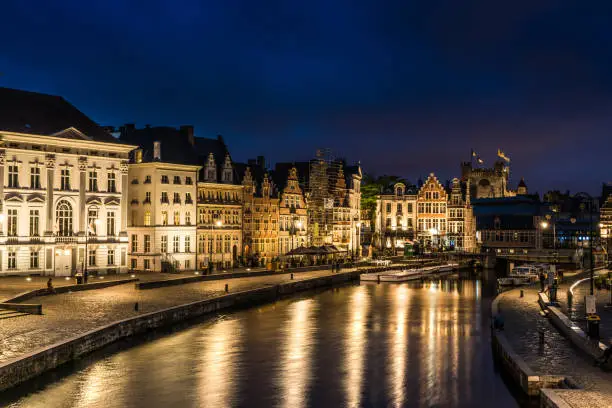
x=448, y=267
x=524, y=274
x=374, y=276
x=403, y=276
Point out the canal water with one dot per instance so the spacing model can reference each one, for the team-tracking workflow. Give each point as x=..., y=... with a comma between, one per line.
x=370, y=345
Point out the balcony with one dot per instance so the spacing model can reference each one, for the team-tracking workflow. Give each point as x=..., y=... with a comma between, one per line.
x=164, y=201
x=188, y=201
x=176, y=201
x=65, y=240
x=134, y=202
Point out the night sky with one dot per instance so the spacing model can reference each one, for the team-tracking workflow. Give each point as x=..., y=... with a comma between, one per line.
x=405, y=87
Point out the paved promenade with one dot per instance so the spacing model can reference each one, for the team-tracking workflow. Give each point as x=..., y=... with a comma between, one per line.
x=555, y=355
x=70, y=314
x=577, y=314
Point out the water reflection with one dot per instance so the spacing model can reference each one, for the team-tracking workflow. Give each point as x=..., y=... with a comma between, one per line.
x=355, y=346
x=402, y=345
x=297, y=354
x=217, y=362
x=398, y=357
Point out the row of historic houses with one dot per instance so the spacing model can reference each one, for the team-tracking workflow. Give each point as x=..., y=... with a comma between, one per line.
x=75, y=196
x=432, y=217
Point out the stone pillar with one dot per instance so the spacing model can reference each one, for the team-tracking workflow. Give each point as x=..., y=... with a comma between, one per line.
x=124, y=197
x=82, y=191
x=2, y=161
x=50, y=165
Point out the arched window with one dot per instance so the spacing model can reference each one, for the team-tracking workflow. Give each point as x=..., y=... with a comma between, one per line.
x=64, y=218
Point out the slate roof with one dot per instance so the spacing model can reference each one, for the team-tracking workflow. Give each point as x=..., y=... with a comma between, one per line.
x=175, y=148
x=43, y=114
x=514, y=213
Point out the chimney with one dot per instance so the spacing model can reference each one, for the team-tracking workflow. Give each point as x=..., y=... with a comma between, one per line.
x=138, y=156
x=126, y=130
x=261, y=162
x=187, y=131
x=157, y=150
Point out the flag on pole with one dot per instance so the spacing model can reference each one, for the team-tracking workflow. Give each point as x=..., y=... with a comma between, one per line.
x=474, y=153
x=502, y=155
x=479, y=160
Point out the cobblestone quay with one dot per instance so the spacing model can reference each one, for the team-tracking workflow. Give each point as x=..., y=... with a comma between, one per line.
x=547, y=352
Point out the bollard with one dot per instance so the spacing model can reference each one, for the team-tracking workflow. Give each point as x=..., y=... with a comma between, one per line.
x=136, y=306
x=291, y=276
x=226, y=288
x=378, y=278
x=522, y=294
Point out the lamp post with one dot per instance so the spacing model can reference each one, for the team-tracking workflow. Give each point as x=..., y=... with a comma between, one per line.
x=591, y=234
x=357, y=240
x=545, y=224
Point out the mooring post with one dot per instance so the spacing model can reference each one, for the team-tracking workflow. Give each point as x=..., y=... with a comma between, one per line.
x=226, y=288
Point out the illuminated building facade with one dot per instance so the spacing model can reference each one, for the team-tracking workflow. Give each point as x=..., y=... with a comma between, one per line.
x=163, y=176
x=432, y=200
x=293, y=212
x=260, y=218
x=396, y=216
x=63, y=195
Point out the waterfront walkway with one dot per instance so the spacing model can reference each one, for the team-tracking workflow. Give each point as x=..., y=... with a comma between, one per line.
x=70, y=314
x=547, y=351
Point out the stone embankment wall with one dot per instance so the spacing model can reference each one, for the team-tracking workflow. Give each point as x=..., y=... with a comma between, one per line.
x=29, y=366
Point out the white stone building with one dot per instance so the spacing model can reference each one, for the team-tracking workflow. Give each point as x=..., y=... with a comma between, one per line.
x=63, y=195
x=162, y=223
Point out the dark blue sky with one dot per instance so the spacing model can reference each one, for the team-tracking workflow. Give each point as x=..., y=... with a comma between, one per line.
x=406, y=87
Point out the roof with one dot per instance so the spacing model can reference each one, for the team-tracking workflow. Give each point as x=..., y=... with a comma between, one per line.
x=505, y=222
x=48, y=115
x=175, y=148
x=204, y=146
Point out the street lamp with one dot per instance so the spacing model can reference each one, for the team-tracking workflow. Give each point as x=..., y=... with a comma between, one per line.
x=591, y=234
x=357, y=238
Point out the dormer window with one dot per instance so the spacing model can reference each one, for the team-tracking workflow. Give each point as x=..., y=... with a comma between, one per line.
x=210, y=172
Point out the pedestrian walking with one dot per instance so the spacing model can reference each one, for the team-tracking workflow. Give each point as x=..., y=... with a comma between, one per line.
x=50, y=288
x=542, y=280
x=85, y=276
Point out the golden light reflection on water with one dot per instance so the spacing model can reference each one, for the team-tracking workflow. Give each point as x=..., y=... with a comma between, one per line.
x=296, y=361
x=355, y=346
x=398, y=355
x=216, y=376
